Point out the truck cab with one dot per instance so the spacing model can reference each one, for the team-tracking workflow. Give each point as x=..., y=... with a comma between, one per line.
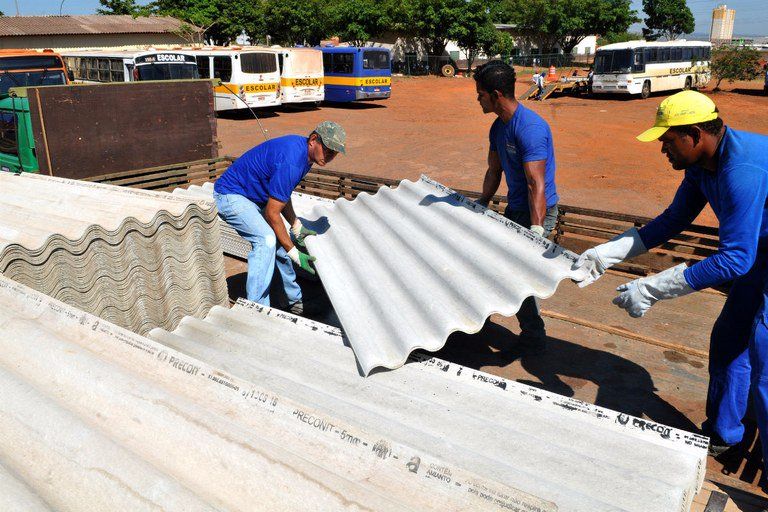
x=17, y=144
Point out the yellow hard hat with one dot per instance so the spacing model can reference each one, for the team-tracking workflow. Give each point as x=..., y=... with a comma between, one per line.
x=683, y=108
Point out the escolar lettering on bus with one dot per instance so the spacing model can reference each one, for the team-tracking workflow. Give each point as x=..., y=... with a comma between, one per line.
x=307, y=81
x=268, y=87
x=376, y=81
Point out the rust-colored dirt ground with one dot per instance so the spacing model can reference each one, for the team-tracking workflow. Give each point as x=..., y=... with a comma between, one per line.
x=435, y=126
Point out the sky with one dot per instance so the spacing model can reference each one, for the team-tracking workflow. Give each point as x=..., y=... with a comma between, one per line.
x=751, y=15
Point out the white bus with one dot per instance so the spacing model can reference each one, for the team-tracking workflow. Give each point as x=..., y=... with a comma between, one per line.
x=641, y=67
x=130, y=66
x=249, y=76
x=301, y=74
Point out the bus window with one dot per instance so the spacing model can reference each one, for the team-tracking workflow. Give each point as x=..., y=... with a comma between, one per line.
x=343, y=63
x=258, y=62
x=116, y=74
x=8, y=133
x=638, y=62
x=687, y=54
x=707, y=52
x=677, y=54
x=613, y=61
x=204, y=66
x=222, y=68
x=664, y=57
x=280, y=61
x=375, y=60
x=327, y=62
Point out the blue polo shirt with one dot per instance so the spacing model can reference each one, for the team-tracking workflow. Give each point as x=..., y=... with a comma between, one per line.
x=737, y=193
x=525, y=138
x=272, y=169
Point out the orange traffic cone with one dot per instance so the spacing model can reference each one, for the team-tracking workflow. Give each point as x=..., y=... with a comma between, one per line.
x=552, y=75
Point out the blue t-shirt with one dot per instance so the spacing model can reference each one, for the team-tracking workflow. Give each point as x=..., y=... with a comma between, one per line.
x=525, y=138
x=272, y=169
x=737, y=193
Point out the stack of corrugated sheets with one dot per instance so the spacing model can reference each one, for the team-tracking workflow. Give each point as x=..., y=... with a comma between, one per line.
x=255, y=409
x=137, y=258
x=232, y=243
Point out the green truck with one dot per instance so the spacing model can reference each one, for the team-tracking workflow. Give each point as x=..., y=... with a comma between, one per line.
x=78, y=131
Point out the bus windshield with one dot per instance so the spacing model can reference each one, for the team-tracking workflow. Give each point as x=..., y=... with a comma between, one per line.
x=613, y=61
x=10, y=79
x=258, y=63
x=307, y=62
x=165, y=71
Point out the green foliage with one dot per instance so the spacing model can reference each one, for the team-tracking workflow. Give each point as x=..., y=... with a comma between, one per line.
x=119, y=7
x=473, y=30
x=667, y=18
x=734, y=63
x=222, y=20
x=565, y=23
x=435, y=22
x=296, y=21
x=358, y=21
x=618, y=37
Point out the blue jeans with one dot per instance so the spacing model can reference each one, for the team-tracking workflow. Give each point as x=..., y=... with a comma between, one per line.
x=247, y=219
x=531, y=323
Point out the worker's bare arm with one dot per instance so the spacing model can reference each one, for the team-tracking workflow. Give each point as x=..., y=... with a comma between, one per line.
x=537, y=200
x=272, y=215
x=289, y=213
x=492, y=178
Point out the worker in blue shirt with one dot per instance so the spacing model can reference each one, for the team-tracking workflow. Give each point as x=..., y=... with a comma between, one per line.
x=727, y=169
x=521, y=148
x=254, y=194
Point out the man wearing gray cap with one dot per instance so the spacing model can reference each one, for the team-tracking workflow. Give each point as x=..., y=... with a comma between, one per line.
x=253, y=195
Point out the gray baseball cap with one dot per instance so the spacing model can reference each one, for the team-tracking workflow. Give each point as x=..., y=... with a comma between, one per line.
x=333, y=136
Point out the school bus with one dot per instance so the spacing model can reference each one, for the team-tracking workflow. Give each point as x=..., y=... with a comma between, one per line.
x=353, y=73
x=301, y=74
x=29, y=68
x=250, y=77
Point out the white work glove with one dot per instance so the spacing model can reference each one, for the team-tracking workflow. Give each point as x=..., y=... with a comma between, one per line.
x=299, y=232
x=604, y=256
x=539, y=230
x=639, y=295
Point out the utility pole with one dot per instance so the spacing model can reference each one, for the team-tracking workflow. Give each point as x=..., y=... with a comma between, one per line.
x=17, y=7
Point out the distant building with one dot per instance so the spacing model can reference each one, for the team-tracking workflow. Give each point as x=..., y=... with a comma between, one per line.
x=722, y=24
x=94, y=31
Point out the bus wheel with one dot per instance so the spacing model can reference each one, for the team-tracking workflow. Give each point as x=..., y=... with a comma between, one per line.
x=447, y=70
x=688, y=83
x=646, y=90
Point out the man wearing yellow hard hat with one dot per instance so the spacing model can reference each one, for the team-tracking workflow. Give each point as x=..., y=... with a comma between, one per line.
x=728, y=169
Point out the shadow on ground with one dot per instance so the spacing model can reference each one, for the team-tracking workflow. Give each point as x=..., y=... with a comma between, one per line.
x=622, y=385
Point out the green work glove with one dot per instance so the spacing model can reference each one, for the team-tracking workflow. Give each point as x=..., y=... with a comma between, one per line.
x=302, y=259
x=299, y=233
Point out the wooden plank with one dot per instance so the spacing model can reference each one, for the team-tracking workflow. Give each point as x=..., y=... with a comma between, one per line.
x=527, y=94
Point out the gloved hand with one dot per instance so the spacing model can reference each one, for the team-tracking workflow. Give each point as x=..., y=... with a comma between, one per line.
x=482, y=202
x=302, y=259
x=299, y=232
x=604, y=256
x=639, y=295
x=539, y=230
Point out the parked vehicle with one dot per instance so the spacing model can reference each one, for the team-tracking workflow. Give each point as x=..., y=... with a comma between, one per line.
x=353, y=73
x=78, y=131
x=250, y=77
x=641, y=67
x=24, y=68
x=301, y=74
x=105, y=66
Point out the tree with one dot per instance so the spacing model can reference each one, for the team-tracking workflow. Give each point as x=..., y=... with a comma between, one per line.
x=565, y=23
x=118, y=7
x=358, y=21
x=472, y=29
x=734, y=63
x=618, y=37
x=434, y=22
x=222, y=21
x=293, y=22
x=667, y=18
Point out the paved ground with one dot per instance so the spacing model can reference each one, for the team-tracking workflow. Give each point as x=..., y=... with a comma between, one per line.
x=435, y=126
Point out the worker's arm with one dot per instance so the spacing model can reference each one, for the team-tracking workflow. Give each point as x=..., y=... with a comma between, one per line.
x=289, y=213
x=272, y=214
x=492, y=178
x=537, y=199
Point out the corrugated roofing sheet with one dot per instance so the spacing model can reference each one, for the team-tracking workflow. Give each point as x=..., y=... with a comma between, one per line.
x=94, y=417
x=232, y=243
x=138, y=258
x=87, y=24
x=407, y=266
x=550, y=452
